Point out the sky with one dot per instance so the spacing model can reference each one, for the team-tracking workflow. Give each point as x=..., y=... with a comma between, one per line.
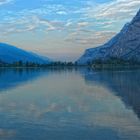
x=63, y=29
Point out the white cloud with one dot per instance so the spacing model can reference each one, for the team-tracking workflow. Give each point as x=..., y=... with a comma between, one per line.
x=29, y=23
x=86, y=26
x=89, y=38
x=61, y=13
x=5, y=1
x=116, y=10
x=83, y=24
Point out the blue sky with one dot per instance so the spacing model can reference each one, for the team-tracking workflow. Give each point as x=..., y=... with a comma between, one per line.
x=63, y=29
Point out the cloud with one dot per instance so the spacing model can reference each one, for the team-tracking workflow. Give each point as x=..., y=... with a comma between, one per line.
x=90, y=38
x=5, y=1
x=30, y=20
x=61, y=12
x=29, y=24
x=115, y=10
x=83, y=24
x=57, y=9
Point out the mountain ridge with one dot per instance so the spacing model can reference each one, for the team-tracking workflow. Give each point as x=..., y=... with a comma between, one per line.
x=124, y=45
x=11, y=54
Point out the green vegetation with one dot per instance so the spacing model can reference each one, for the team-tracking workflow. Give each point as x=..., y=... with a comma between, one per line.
x=110, y=63
x=113, y=62
x=31, y=64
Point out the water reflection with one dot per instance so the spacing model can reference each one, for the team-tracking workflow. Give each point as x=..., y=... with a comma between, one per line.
x=125, y=84
x=69, y=104
x=13, y=77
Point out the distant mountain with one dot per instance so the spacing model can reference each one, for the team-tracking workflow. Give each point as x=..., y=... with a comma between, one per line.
x=125, y=45
x=10, y=54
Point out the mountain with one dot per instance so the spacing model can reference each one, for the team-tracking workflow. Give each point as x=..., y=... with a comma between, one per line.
x=10, y=54
x=125, y=45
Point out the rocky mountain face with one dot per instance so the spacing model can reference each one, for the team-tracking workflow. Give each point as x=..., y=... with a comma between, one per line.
x=10, y=54
x=125, y=45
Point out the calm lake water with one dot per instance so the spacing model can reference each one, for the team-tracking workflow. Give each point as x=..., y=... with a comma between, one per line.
x=69, y=104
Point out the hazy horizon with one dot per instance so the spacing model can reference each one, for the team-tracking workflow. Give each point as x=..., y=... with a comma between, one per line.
x=62, y=30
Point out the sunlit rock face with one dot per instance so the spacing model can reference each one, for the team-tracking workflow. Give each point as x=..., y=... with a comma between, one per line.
x=10, y=54
x=125, y=45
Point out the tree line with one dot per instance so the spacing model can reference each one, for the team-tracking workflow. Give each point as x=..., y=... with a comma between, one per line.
x=33, y=64
x=112, y=62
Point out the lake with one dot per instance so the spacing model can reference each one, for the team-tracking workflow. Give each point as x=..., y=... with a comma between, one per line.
x=69, y=104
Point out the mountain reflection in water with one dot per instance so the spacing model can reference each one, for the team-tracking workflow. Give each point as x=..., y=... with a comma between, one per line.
x=125, y=84
x=69, y=103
